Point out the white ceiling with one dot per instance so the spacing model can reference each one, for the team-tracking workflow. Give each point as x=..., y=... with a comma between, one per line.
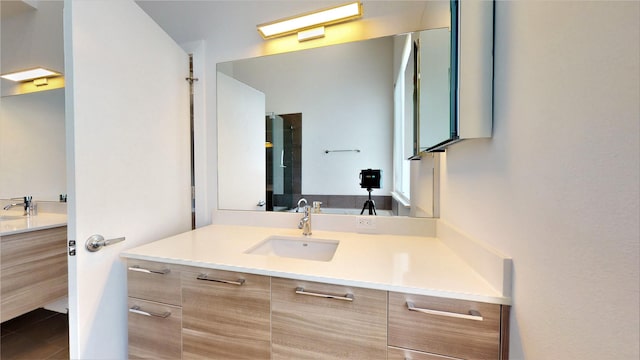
x=186, y=20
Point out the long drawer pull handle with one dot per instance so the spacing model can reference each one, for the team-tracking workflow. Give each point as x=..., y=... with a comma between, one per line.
x=238, y=282
x=473, y=314
x=147, y=271
x=136, y=310
x=347, y=297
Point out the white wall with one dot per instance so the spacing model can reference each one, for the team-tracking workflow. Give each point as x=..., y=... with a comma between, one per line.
x=345, y=95
x=557, y=187
x=32, y=145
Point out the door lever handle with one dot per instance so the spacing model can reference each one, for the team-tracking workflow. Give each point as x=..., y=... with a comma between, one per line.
x=97, y=242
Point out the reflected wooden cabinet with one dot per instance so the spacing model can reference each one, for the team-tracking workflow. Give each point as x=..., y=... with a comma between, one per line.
x=196, y=313
x=322, y=321
x=226, y=315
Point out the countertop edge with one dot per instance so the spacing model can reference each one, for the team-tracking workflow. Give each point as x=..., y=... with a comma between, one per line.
x=500, y=300
x=37, y=222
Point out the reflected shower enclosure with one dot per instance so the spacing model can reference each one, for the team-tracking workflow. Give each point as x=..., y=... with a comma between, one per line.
x=283, y=155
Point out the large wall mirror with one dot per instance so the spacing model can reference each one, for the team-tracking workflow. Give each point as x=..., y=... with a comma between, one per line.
x=32, y=145
x=305, y=124
x=32, y=123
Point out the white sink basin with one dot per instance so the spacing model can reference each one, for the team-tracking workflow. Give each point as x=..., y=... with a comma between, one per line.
x=296, y=247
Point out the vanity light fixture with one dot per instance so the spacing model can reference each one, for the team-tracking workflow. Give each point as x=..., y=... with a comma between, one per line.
x=311, y=34
x=30, y=74
x=311, y=25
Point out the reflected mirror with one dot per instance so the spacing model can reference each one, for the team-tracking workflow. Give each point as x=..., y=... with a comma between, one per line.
x=306, y=124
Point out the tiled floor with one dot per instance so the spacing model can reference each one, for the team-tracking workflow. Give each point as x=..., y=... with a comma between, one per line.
x=37, y=335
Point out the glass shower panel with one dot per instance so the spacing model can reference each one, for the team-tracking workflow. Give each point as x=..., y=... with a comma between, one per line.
x=279, y=151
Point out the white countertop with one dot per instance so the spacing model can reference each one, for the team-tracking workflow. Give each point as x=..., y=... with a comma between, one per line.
x=411, y=264
x=10, y=225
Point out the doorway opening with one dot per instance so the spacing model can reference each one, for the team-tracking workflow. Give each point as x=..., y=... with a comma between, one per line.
x=283, y=156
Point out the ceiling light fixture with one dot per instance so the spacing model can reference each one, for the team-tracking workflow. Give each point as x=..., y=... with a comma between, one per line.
x=30, y=74
x=315, y=21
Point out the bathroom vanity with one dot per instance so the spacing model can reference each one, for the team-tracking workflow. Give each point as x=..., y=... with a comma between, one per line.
x=33, y=263
x=207, y=294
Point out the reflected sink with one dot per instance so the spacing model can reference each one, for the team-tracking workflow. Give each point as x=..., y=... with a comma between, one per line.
x=296, y=247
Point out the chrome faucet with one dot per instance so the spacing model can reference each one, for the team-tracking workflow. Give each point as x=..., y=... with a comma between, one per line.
x=29, y=206
x=305, y=222
x=303, y=200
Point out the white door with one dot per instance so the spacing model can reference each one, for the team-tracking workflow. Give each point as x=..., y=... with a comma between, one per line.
x=241, y=165
x=127, y=119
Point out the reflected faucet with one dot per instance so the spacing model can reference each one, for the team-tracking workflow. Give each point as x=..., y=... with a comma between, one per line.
x=29, y=206
x=305, y=222
x=303, y=200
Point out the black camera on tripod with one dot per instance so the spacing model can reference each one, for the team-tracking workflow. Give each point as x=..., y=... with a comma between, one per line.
x=370, y=179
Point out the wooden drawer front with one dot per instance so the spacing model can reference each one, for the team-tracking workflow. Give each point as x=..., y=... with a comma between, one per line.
x=33, y=270
x=154, y=281
x=30, y=286
x=32, y=246
x=444, y=335
x=311, y=327
x=157, y=336
x=404, y=354
x=225, y=320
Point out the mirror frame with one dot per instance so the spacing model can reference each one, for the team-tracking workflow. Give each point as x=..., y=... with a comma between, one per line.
x=472, y=97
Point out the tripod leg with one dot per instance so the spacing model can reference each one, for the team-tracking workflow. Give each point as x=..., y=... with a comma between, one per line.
x=363, y=207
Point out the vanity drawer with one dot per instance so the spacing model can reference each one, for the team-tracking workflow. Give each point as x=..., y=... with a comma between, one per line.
x=405, y=354
x=314, y=320
x=226, y=315
x=154, y=330
x=456, y=328
x=154, y=281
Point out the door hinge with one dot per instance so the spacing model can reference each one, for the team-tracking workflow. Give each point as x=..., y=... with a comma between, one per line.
x=72, y=248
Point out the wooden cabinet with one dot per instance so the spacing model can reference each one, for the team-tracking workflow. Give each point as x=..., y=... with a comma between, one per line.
x=226, y=315
x=406, y=354
x=197, y=313
x=155, y=313
x=154, y=281
x=448, y=327
x=154, y=330
x=313, y=320
x=33, y=270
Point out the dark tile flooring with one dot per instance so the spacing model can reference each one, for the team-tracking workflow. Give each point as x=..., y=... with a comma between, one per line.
x=37, y=335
